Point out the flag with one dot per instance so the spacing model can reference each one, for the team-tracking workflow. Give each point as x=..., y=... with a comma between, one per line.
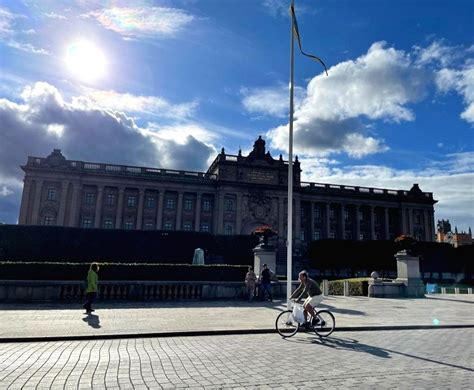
x=297, y=35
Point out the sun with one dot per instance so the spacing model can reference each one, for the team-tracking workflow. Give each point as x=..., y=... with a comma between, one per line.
x=86, y=61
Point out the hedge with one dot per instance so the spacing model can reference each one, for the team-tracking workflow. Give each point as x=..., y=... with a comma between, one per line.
x=118, y=271
x=358, y=287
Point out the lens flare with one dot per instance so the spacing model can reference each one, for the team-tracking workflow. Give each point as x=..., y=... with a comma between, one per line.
x=85, y=60
x=435, y=321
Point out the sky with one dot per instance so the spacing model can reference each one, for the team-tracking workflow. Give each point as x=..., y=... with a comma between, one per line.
x=169, y=83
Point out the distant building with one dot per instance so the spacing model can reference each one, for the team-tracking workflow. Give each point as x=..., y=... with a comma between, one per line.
x=236, y=194
x=444, y=234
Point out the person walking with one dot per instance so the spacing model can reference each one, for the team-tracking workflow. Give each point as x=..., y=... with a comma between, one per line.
x=265, y=283
x=250, y=279
x=92, y=287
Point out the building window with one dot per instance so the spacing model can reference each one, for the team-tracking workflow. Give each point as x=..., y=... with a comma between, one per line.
x=205, y=227
x=348, y=236
x=168, y=226
x=148, y=226
x=188, y=204
x=332, y=214
x=229, y=205
x=361, y=216
x=317, y=235
x=48, y=220
x=229, y=230
x=417, y=218
x=317, y=213
x=302, y=235
x=108, y=224
x=87, y=223
x=170, y=204
x=377, y=236
x=131, y=201
x=187, y=227
x=303, y=212
x=346, y=215
x=51, y=194
x=362, y=236
x=110, y=200
x=128, y=225
x=206, y=205
x=90, y=198
x=150, y=202
x=332, y=234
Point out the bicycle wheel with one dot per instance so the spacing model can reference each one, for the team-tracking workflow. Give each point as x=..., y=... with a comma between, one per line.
x=285, y=325
x=325, y=323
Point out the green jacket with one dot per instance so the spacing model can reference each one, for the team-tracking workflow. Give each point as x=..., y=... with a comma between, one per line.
x=92, y=281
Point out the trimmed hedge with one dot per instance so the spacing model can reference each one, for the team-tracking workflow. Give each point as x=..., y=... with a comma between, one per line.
x=357, y=287
x=118, y=271
x=63, y=244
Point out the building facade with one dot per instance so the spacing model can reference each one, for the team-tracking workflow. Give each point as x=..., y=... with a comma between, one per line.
x=456, y=239
x=235, y=195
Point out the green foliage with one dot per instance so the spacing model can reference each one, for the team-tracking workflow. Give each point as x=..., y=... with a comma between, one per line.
x=357, y=286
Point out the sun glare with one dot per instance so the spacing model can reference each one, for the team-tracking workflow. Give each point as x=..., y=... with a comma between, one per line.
x=85, y=60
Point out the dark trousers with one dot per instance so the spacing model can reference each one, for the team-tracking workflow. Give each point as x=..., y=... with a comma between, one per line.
x=265, y=287
x=90, y=298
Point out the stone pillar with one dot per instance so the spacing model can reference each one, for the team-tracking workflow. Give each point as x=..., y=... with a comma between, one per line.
x=297, y=215
x=427, y=226
x=37, y=202
x=264, y=254
x=25, y=197
x=410, y=222
x=118, y=220
x=219, y=228
x=328, y=220
x=387, y=223
x=75, y=204
x=197, y=220
x=62, y=204
x=403, y=221
x=432, y=222
x=408, y=273
x=179, y=211
x=372, y=222
x=357, y=212
x=343, y=222
x=98, y=207
x=159, y=213
x=238, y=215
x=141, y=202
x=311, y=222
x=281, y=215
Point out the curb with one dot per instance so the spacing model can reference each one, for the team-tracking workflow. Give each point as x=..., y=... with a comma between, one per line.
x=217, y=332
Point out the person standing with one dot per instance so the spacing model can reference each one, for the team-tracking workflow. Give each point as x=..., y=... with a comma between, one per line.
x=92, y=287
x=265, y=283
x=250, y=279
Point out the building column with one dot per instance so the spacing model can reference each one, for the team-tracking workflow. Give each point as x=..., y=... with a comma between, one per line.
x=197, y=220
x=219, y=228
x=343, y=221
x=98, y=207
x=25, y=202
x=179, y=211
x=410, y=222
x=118, y=220
x=75, y=204
x=372, y=222
x=37, y=202
x=141, y=201
x=404, y=228
x=297, y=215
x=159, y=213
x=427, y=226
x=62, y=204
x=387, y=223
x=328, y=220
x=432, y=222
x=238, y=216
x=357, y=212
x=281, y=215
x=311, y=222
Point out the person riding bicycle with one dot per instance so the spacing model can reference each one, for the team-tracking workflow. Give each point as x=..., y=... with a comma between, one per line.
x=310, y=288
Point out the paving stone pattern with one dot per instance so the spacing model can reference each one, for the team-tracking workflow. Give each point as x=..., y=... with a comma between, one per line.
x=415, y=359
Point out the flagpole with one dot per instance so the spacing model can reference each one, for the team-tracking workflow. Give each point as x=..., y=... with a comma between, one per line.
x=289, y=238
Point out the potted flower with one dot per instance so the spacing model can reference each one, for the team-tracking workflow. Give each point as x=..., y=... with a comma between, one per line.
x=405, y=243
x=264, y=232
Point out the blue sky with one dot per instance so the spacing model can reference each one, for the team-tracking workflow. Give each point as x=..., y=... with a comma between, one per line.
x=168, y=83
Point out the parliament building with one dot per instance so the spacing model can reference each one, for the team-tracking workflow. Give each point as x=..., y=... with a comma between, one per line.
x=235, y=195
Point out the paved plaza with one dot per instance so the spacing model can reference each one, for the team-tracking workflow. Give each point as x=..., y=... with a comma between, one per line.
x=132, y=318
x=407, y=359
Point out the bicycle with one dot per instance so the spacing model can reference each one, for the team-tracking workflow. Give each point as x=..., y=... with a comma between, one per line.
x=323, y=323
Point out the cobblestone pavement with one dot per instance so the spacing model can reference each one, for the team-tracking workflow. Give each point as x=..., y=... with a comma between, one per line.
x=415, y=359
x=63, y=320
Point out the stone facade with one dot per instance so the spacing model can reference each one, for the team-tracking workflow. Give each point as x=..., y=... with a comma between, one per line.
x=235, y=195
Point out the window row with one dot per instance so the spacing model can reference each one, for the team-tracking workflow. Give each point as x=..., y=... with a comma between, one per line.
x=130, y=224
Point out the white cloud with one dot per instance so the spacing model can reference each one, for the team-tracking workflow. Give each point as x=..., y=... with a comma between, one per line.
x=150, y=105
x=437, y=52
x=143, y=22
x=282, y=8
x=53, y=15
x=461, y=81
x=451, y=181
